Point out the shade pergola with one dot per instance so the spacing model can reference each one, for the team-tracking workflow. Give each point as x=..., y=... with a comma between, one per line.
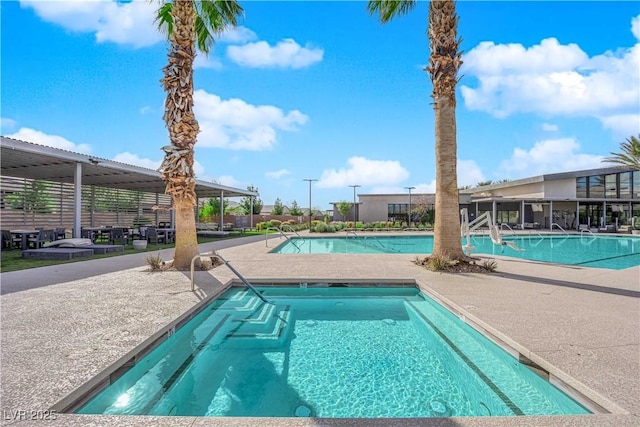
x=23, y=159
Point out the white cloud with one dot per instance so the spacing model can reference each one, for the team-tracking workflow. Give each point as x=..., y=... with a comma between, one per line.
x=123, y=23
x=622, y=125
x=548, y=127
x=146, y=110
x=635, y=27
x=285, y=54
x=236, y=125
x=364, y=171
x=548, y=156
x=237, y=35
x=134, y=159
x=37, y=137
x=553, y=79
x=469, y=173
x=423, y=188
x=7, y=123
x=229, y=181
x=207, y=61
x=277, y=174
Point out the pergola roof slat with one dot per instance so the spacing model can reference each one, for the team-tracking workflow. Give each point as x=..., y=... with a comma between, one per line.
x=23, y=159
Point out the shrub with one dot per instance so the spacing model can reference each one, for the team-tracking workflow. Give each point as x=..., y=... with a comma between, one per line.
x=490, y=265
x=155, y=262
x=275, y=223
x=436, y=263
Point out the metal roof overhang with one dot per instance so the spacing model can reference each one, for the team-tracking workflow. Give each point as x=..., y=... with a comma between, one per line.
x=23, y=159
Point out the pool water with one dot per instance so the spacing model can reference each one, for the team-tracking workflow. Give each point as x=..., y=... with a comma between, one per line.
x=329, y=352
x=588, y=250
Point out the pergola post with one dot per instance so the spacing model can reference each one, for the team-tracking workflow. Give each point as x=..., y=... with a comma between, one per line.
x=77, y=200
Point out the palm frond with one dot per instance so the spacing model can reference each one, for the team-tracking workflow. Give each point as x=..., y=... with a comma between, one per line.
x=213, y=17
x=164, y=18
x=629, y=155
x=389, y=9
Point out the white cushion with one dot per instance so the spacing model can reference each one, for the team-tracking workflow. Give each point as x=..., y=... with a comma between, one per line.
x=68, y=243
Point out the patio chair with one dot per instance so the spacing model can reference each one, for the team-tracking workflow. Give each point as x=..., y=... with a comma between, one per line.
x=88, y=234
x=8, y=241
x=60, y=233
x=153, y=235
x=118, y=235
x=44, y=236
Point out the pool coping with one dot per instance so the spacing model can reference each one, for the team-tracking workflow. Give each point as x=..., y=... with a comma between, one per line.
x=36, y=336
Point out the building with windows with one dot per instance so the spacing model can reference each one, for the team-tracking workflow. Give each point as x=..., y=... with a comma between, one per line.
x=595, y=198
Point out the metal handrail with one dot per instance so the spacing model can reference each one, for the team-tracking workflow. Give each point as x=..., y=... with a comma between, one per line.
x=502, y=225
x=352, y=232
x=558, y=225
x=282, y=233
x=586, y=230
x=245, y=281
x=291, y=229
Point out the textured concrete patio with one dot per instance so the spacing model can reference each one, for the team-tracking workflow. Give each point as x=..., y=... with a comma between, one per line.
x=579, y=324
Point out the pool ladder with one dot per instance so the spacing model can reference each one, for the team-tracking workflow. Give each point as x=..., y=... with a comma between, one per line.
x=240, y=276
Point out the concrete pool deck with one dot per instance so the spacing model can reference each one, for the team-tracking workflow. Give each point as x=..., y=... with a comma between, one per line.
x=581, y=324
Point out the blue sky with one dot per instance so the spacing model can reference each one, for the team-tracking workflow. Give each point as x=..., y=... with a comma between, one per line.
x=322, y=90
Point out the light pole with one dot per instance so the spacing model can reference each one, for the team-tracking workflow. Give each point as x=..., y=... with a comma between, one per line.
x=409, y=188
x=355, y=218
x=310, y=181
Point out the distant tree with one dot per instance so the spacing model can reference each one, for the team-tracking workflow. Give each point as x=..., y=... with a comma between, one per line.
x=344, y=208
x=464, y=187
x=34, y=199
x=295, y=209
x=278, y=209
x=211, y=208
x=103, y=199
x=483, y=183
x=424, y=210
x=257, y=203
x=629, y=155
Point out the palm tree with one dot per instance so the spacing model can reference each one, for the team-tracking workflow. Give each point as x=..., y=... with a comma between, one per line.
x=185, y=23
x=630, y=155
x=444, y=63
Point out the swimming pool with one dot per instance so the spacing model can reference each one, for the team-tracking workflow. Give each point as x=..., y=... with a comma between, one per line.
x=614, y=252
x=335, y=352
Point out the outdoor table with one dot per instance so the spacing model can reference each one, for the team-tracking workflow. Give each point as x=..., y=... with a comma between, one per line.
x=168, y=233
x=24, y=236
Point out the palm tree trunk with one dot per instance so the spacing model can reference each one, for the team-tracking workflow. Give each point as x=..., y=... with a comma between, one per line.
x=444, y=63
x=447, y=221
x=177, y=166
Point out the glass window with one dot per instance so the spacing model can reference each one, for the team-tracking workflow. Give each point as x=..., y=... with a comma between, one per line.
x=610, y=186
x=625, y=185
x=636, y=184
x=581, y=187
x=596, y=187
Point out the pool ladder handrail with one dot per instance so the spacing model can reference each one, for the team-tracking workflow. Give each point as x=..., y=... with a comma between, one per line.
x=502, y=225
x=233, y=270
x=291, y=230
x=282, y=233
x=558, y=225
